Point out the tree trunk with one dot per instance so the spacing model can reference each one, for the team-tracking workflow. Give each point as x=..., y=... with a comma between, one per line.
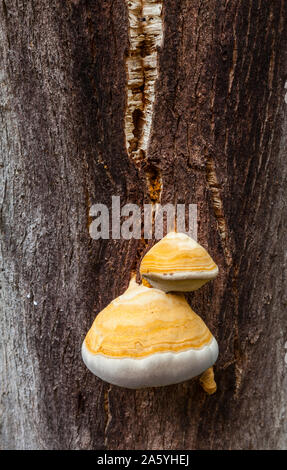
x=217, y=139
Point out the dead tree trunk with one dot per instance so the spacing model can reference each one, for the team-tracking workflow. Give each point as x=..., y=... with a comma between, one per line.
x=215, y=97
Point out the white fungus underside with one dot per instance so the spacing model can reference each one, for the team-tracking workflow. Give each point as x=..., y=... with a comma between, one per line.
x=184, y=275
x=156, y=370
x=184, y=281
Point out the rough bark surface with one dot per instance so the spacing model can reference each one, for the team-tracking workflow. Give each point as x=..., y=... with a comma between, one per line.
x=218, y=140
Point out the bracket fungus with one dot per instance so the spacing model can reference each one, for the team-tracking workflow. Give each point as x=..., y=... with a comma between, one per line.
x=148, y=338
x=177, y=263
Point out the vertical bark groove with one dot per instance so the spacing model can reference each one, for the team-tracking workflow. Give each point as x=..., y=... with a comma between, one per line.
x=146, y=37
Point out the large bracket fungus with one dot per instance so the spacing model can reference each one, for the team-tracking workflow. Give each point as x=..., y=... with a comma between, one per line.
x=148, y=338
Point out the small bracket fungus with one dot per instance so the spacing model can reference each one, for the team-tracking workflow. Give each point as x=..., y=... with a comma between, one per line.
x=147, y=338
x=177, y=263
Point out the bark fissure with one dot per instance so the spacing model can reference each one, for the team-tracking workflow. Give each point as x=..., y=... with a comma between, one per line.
x=146, y=36
x=217, y=205
x=107, y=412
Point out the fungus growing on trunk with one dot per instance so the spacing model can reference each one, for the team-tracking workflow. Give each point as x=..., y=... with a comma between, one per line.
x=177, y=263
x=147, y=338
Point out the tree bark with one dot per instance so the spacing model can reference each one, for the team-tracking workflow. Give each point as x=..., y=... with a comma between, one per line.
x=218, y=140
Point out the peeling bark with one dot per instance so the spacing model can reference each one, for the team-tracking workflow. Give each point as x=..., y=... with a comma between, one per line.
x=145, y=39
x=145, y=33
x=217, y=138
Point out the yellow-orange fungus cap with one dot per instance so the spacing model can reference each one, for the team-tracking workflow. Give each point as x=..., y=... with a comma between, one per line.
x=178, y=263
x=147, y=338
x=144, y=321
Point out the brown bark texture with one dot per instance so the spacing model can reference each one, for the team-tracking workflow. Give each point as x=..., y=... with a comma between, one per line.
x=218, y=140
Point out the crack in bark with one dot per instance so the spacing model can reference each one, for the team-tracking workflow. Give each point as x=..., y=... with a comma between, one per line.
x=217, y=205
x=107, y=411
x=146, y=33
x=239, y=357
